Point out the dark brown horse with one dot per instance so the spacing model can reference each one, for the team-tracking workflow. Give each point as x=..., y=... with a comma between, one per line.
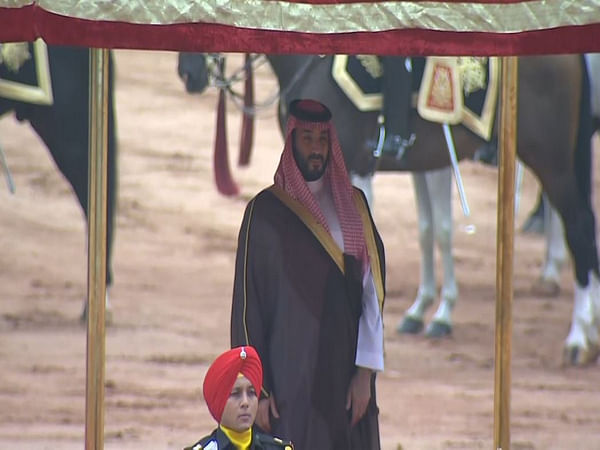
x=554, y=130
x=63, y=125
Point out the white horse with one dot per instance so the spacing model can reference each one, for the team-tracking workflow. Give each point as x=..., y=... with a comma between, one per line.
x=434, y=207
x=557, y=254
x=432, y=193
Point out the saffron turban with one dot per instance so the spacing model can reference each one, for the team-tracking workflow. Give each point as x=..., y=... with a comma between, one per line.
x=222, y=373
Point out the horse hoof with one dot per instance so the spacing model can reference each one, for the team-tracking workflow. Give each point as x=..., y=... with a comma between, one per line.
x=410, y=325
x=575, y=356
x=545, y=288
x=438, y=330
x=534, y=225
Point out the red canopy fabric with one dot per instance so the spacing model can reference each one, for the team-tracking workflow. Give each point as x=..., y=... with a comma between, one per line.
x=451, y=27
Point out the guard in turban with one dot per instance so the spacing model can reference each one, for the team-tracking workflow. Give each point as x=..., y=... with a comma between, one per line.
x=231, y=388
x=222, y=374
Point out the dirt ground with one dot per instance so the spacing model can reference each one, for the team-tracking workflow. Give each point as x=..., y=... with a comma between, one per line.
x=173, y=263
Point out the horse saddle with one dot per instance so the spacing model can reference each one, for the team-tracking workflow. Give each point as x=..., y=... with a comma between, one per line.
x=14, y=59
x=449, y=90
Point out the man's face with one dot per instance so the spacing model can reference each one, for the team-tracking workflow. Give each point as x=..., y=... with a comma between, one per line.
x=241, y=407
x=311, y=152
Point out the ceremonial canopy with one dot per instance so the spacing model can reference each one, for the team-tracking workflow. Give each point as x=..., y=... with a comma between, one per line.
x=434, y=27
x=450, y=27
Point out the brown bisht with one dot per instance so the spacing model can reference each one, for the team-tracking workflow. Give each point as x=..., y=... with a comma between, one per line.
x=297, y=300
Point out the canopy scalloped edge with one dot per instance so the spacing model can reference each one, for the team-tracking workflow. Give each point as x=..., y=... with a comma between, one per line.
x=269, y=26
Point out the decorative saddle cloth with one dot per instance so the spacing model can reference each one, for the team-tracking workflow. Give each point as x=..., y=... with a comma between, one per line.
x=13, y=86
x=447, y=89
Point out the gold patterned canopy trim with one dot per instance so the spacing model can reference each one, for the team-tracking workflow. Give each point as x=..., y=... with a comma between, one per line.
x=15, y=3
x=334, y=18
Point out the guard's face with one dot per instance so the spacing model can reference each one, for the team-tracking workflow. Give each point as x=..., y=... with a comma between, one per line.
x=311, y=152
x=242, y=404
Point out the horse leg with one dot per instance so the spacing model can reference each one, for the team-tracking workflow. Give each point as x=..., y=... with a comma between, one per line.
x=535, y=221
x=439, y=187
x=548, y=284
x=64, y=128
x=413, y=319
x=72, y=160
x=582, y=345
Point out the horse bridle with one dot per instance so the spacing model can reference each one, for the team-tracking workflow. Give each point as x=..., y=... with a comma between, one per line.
x=215, y=66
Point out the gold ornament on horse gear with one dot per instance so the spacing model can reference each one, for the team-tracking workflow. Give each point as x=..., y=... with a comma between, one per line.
x=371, y=64
x=22, y=92
x=14, y=54
x=472, y=73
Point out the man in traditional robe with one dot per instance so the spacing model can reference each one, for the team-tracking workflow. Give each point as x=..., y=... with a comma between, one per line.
x=308, y=293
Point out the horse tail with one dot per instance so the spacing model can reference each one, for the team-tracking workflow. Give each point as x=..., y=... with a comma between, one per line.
x=583, y=151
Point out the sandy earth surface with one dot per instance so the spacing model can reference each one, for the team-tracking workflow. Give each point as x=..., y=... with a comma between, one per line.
x=173, y=263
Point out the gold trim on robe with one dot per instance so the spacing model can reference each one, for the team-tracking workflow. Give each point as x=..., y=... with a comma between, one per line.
x=247, y=238
x=363, y=211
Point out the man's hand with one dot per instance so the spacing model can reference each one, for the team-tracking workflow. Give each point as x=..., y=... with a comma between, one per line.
x=359, y=394
x=262, y=415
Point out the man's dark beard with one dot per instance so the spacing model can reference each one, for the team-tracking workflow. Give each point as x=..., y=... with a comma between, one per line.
x=308, y=173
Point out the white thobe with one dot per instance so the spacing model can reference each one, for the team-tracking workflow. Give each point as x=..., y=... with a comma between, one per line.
x=369, y=349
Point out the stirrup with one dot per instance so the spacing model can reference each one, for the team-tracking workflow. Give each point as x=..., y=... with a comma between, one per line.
x=396, y=145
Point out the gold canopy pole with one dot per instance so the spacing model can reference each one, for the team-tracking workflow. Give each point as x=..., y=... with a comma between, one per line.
x=504, y=252
x=94, y=411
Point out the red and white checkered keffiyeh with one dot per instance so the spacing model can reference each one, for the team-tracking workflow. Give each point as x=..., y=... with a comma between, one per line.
x=289, y=178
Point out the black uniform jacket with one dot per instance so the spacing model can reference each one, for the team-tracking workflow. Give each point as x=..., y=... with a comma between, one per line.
x=260, y=441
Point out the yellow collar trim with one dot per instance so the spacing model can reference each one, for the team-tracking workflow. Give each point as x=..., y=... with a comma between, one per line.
x=241, y=440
